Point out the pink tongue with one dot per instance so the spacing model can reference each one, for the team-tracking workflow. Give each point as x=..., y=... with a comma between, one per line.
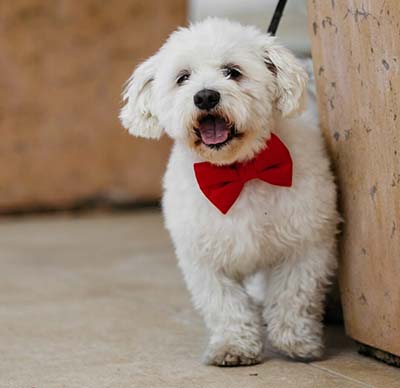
x=213, y=131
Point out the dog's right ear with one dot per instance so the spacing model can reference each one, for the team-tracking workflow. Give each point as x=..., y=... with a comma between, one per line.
x=138, y=113
x=290, y=78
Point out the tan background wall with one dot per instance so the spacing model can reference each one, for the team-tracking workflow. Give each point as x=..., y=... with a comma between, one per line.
x=63, y=64
x=356, y=52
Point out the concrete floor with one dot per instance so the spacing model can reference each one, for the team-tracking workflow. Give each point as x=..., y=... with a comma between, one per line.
x=97, y=301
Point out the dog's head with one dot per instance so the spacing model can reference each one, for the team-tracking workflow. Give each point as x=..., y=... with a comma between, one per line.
x=218, y=87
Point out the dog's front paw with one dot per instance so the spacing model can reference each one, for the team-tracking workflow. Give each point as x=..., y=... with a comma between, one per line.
x=299, y=347
x=233, y=355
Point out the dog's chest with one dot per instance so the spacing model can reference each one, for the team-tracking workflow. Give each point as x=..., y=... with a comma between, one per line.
x=254, y=219
x=252, y=230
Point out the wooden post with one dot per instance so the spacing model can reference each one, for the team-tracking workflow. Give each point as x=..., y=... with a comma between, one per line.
x=356, y=53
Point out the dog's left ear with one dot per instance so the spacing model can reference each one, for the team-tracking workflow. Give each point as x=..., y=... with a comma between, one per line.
x=138, y=113
x=291, y=79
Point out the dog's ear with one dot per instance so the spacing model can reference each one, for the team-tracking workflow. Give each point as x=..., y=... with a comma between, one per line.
x=290, y=77
x=138, y=113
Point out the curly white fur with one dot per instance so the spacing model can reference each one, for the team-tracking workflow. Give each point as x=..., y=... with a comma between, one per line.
x=287, y=235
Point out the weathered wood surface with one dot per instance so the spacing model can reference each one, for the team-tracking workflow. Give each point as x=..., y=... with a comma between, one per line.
x=356, y=52
x=63, y=65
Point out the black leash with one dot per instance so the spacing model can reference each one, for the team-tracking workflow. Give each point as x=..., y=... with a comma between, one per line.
x=276, y=18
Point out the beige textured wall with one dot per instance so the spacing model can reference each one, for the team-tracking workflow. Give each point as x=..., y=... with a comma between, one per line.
x=63, y=64
x=356, y=52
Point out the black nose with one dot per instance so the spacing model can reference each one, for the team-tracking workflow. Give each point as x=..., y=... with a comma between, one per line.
x=206, y=99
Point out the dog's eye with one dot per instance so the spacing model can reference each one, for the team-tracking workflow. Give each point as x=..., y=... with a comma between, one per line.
x=232, y=73
x=182, y=77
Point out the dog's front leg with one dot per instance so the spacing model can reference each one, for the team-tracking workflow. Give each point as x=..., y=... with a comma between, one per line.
x=294, y=302
x=232, y=318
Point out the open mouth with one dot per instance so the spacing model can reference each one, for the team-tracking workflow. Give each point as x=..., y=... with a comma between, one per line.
x=214, y=131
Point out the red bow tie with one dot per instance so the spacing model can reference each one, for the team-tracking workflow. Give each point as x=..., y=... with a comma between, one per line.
x=222, y=184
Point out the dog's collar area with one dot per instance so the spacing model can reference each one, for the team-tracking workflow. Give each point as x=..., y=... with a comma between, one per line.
x=222, y=184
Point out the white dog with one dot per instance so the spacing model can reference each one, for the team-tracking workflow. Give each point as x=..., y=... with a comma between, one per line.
x=225, y=93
